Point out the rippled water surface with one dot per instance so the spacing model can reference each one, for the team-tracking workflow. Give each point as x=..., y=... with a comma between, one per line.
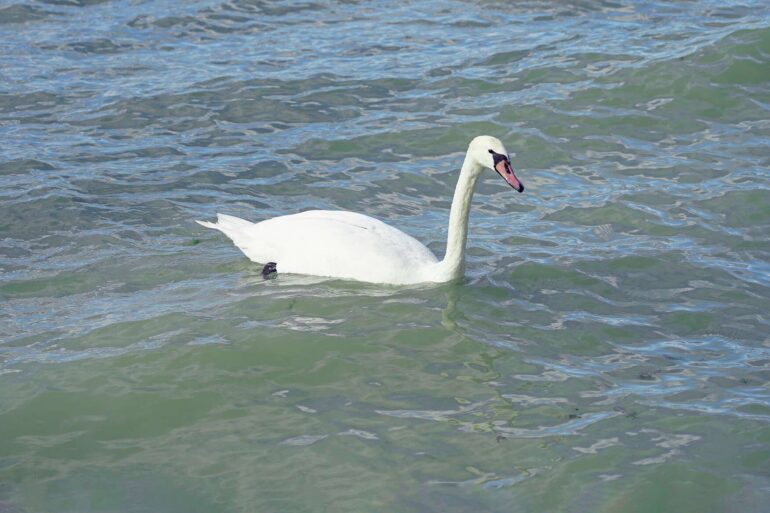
x=608, y=350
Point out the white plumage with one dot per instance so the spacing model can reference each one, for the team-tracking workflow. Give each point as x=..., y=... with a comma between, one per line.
x=354, y=246
x=331, y=243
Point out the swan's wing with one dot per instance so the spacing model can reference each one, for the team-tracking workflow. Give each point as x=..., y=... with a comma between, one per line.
x=332, y=243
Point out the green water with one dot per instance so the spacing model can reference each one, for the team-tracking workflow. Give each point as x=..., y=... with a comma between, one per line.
x=607, y=351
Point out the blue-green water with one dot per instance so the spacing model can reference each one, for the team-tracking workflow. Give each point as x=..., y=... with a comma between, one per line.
x=609, y=350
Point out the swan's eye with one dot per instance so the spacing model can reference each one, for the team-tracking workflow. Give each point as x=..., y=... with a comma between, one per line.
x=496, y=157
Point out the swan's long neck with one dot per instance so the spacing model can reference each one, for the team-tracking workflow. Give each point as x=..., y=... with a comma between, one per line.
x=454, y=261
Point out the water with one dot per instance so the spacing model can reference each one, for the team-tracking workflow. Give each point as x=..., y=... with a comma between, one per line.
x=607, y=352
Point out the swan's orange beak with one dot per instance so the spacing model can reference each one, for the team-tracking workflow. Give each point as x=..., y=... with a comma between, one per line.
x=504, y=169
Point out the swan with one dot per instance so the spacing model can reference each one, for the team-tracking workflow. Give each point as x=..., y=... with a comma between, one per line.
x=348, y=245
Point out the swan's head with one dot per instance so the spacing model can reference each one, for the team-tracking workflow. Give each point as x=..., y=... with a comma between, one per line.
x=490, y=153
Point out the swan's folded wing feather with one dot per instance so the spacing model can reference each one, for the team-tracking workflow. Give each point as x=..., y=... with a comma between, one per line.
x=330, y=243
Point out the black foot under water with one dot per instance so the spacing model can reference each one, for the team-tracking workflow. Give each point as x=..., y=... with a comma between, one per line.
x=270, y=270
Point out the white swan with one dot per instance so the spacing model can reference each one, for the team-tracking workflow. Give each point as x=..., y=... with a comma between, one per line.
x=354, y=246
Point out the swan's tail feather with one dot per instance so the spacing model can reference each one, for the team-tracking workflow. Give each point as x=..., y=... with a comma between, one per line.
x=207, y=224
x=232, y=222
x=227, y=224
x=239, y=231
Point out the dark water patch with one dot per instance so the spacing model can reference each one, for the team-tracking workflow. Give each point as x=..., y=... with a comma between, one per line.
x=75, y=3
x=21, y=14
x=102, y=46
x=98, y=156
x=23, y=166
x=742, y=208
x=682, y=173
x=202, y=26
x=249, y=110
x=14, y=103
x=584, y=296
x=505, y=58
x=118, y=191
x=64, y=284
x=394, y=147
x=538, y=278
x=372, y=50
x=669, y=278
x=271, y=8
x=229, y=101
x=621, y=218
x=233, y=17
x=745, y=71
x=163, y=111
x=52, y=212
x=748, y=52
x=687, y=84
x=690, y=323
x=519, y=241
x=530, y=82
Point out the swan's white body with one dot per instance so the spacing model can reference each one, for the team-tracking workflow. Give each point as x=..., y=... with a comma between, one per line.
x=354, y=246
x=333, y=243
